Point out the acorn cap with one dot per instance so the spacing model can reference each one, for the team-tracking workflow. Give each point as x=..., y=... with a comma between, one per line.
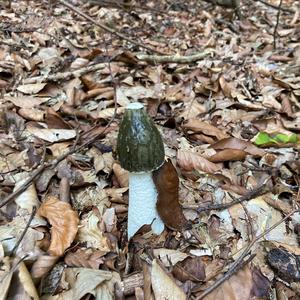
x=140, y=147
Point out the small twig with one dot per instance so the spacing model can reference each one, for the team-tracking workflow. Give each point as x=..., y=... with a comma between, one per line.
x=25, y=185
x=174, y=58
x=106, y=28
x=254, y=193
x=285, y=9
x=14, y=250
x=240, y=259
x=65, y=75
x=277, y=23
x=14, y=268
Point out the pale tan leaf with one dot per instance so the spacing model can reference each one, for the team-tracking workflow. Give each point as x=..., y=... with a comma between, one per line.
x=192, y=110
x=192, y=161
x=26, y=101
x=79, y=63
x=27, y=199
x=169, y=257
x=5, y=277
x=226, y=87
x=27, y=282
x=52, y=135
x=121, y=174
x=107, y=113
x=64, y=221
x=42, y=266
x=33, y=114
x=164, y=287
x=31, y=88
x=10, y=160
x=89, y=233
x=83, y=281
x=198, y=126
x=102, y=161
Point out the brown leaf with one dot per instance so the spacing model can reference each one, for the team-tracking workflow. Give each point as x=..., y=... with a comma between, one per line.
x=121, y=174
x=225, y=86
x=286, y=106
x=64, y=221
x=86, y=258
x=243, y=285
x=234, y=143
x=192, y=161
x=228, y=154
x=167, y=183
x=198, y=126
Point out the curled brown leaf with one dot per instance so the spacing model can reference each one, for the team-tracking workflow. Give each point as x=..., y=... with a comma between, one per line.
x=64, y=221
x=227, y=155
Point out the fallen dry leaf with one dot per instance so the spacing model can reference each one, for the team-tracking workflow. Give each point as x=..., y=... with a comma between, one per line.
x=83, y=281
x=246, y=284
x=198, y=126
x=167, y=184
x=42, y=266
x=87, y=258
x=64, y=221
x=227, y=155
x=27, y=282
x=121, y=174
x=163, y=285
x=192, y=161
x=237, y=144
x=52, y=135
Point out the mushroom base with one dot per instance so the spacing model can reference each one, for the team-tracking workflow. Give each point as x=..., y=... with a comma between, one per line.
x=142, y=204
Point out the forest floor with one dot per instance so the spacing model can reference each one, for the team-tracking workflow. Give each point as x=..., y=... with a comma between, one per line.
x=224, y=93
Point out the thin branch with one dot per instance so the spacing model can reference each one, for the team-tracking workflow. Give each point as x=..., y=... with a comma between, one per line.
x=233, y=267
x=254, y=193
x=106, y=28
x=66, y=75
x=14, y=250
x=174, y=58
x=277, y=23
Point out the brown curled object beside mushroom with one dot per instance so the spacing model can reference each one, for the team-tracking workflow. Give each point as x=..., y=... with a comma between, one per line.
x=167, y=184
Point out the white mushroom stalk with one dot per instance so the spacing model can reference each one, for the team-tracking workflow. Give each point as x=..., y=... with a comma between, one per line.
x=142, y=204
x=140, y=151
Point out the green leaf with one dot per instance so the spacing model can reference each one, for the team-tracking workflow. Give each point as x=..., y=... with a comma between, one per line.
x=283, y=138
x=262, y=138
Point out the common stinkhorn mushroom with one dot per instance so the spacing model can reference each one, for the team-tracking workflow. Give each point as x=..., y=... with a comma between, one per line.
x=141, y=151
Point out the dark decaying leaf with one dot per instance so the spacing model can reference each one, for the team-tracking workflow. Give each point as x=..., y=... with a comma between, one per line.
x=167, y=184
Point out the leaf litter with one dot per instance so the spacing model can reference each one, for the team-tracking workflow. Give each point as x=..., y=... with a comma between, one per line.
x=227, y=104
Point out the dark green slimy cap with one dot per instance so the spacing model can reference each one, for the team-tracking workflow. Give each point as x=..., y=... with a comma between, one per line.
x=140, y=147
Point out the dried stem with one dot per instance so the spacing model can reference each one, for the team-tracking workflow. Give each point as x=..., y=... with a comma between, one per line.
x=277, y=23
